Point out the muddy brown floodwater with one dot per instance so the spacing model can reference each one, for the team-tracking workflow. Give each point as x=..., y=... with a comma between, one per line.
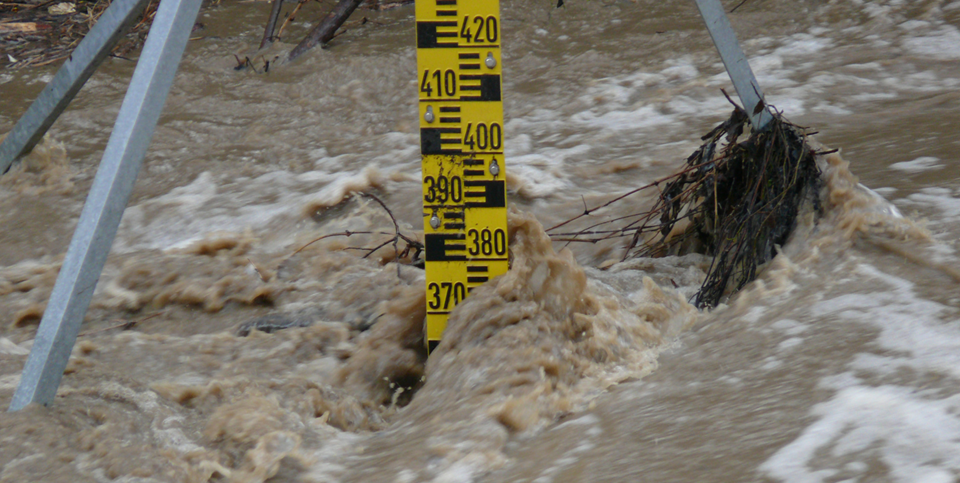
x=840, y=363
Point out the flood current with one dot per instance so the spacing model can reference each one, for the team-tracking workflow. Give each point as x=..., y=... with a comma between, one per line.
x=840, y=363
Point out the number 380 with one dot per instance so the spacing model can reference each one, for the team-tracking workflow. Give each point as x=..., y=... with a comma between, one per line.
x=487, y=242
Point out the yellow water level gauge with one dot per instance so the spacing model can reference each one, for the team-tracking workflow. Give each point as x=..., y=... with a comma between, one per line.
x=461, y=144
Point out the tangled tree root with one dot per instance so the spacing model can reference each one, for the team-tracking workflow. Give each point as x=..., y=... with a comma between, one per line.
x=734, y=201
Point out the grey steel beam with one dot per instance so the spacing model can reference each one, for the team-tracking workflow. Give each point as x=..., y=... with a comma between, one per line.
x=104, y=207
x=89, y=54
x=735, y=61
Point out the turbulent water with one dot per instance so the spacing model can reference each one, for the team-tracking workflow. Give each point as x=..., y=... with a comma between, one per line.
x=840, y=363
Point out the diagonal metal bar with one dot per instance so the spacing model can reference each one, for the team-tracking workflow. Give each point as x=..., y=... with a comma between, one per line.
x=89, y=54
x=735, y=61
x=108, y=197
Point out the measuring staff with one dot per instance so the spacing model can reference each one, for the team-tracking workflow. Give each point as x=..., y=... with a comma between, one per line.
x=461, y=144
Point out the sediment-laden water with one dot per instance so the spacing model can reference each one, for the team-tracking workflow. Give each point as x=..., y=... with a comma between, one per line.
x=840, y=363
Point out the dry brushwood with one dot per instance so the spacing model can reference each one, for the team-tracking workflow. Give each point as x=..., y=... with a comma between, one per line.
x=411, y=244
x=734, y=201
x=50, y=35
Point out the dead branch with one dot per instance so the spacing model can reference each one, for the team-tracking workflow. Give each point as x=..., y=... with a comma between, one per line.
x=327, y=27
x=344, y=233
x=271, y=23
x=290, y=18
x=736, y=201
x=124, y=326
x=411, y=243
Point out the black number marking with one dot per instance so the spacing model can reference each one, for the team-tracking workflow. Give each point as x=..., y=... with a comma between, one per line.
x=446, y=82
x=468, y=136
x=486, y=242
x=456, y=189
x=444, y=293
x=434, y=302
x=465, y=30
x=483, y=137
x=425, y=84
x=491, y=29
x=486, y=32
x=441, y=189
x=500, y=242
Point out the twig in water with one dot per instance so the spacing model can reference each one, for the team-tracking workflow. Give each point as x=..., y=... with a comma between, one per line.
x=271, y=23
x=325, y=30
x=412, y=244
x=124, y=326
x=734, y=9
x=345, y=233
x=289, y=18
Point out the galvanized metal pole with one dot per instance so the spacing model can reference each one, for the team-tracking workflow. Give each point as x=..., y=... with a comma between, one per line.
x=734, y=60
x=108, y=197
x=93, y=49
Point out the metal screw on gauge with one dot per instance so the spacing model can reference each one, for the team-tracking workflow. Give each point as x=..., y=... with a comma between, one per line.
x=490, y=61
x=428, y=116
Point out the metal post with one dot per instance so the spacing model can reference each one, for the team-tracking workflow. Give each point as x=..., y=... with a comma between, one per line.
x=108, y=197
x=93, y=49
x=734, y=60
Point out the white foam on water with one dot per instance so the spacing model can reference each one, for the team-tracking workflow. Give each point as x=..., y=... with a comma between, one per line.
x=789, y=68
x=9, y=347
x=917, y=438
x=646, y=103
x=541, y=174
x=789, y=343
x=790, y=327
x=875, y=8
x=617, y=102
x=189, y=212
x=941, y=44
x=9, y=382
x=913, y=430
x=587, y=442
x=945, y=201
x=208, y=205
x=919, y=165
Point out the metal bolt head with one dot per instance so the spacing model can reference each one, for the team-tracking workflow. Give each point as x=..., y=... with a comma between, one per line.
x=428, y=116
x=435, y=221
x=494, y=168
x=490, y=61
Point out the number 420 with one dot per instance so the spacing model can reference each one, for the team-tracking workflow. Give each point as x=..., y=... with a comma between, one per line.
x=486, y=29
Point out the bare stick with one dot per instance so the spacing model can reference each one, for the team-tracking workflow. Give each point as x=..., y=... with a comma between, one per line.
x=397, y=236
x=124, y=326
x=345, y=233
x=289, y=18
x=271, y=23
